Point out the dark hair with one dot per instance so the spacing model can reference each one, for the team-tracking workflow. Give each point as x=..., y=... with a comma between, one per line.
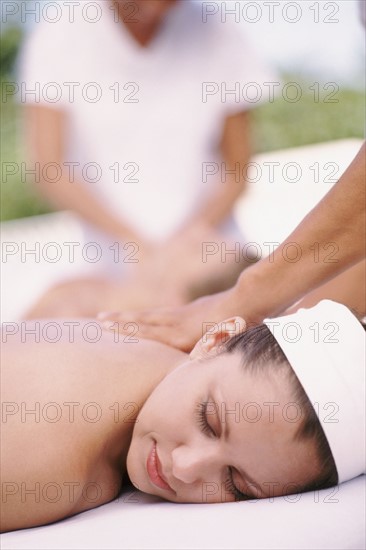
x=261, y=352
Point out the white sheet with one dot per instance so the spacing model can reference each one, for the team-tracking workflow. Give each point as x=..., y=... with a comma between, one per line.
x=287, y=184
x=332, y=519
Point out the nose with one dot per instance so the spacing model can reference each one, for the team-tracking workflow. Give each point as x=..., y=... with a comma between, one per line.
x=192, y=464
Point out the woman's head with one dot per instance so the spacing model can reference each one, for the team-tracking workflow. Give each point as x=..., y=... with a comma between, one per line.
x=239, y=415
x=231, y=423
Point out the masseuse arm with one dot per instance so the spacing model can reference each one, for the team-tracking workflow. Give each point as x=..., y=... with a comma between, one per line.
x=270, y=286
x=45, y=131
x=236, y=151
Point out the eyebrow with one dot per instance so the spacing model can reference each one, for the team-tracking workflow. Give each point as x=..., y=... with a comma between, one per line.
x=227, y=432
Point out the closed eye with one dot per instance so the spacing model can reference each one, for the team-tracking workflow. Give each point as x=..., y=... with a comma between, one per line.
x=231, y=487
x=201, y=413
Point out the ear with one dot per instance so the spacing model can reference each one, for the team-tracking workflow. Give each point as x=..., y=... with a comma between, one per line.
x=212, y=341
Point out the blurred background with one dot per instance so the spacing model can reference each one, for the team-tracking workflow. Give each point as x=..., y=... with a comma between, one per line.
x=301, y=52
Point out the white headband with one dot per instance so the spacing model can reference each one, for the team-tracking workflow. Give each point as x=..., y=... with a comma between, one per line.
x=325, y=346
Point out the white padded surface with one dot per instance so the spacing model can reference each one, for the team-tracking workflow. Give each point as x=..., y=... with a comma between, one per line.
x=274, y=205
x=332, y=519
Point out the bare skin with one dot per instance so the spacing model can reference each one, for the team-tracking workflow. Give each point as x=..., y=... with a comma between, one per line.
x=146, y=20
x=76, y=460
x=349, y=289
x=76, y=412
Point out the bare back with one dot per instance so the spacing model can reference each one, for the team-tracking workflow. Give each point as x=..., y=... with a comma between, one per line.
x=70, y=396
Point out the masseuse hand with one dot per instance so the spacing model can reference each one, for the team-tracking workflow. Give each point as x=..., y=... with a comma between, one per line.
x=180, y=327
x=167, y=273
x=177, y=268
x=181, y=257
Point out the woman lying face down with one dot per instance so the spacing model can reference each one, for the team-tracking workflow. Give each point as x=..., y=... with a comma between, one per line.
x=229, y=422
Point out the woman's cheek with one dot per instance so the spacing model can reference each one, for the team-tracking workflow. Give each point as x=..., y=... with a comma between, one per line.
x=170, y=407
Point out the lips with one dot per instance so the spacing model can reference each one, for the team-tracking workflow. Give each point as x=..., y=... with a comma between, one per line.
x=153, y=467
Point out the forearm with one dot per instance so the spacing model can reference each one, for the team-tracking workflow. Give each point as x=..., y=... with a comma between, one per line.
x=225, y=186
x=219, y=206
x=330, y=239
x=74, y=196
x=45, y=131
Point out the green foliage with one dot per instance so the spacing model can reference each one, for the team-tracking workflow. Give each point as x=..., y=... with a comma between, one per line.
x=281, y=124
x=18, y=198
x=10, y=40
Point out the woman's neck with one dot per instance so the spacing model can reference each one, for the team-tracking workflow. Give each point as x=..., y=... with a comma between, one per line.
x=142, y=27
x=143, y=34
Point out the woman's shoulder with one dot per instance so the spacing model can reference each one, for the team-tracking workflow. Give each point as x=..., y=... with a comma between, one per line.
x=90, y=360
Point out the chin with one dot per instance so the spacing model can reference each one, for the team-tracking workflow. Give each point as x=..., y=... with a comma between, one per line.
x=132, y=470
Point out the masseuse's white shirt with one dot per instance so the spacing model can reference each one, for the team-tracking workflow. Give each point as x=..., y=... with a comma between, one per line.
x=163, y=139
